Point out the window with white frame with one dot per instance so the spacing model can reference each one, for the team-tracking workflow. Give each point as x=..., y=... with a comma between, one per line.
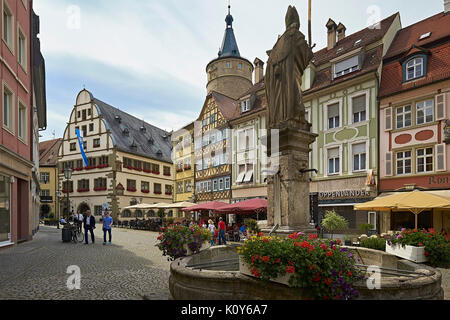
x=424, y=160
x=208, y=186
x=414, y=69
x=359, y=109
x=45, y=177
x=8, y=26
x=245, y=173
x=333, y=161
x=227, y=183
x=246, y=139
x=221, y=184
x=359, y=157
x=347, y=66
x=425, y=111
x=215, y=185
x=403, y=162
x=245, y=105
x=22, y=129
x=8, y=109
x=22, y=50
x=372, y=219
x=403, y=117
x=333, y=116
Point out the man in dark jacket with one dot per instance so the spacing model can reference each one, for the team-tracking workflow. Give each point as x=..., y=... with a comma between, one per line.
x=89, y=225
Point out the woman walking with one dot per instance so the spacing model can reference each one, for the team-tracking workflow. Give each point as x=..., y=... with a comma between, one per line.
x=212, y=229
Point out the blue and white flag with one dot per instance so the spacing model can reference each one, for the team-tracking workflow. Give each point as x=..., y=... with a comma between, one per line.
x=81, y=143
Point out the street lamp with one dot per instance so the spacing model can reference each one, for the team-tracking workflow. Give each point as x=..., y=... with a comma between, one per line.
x=68, y=176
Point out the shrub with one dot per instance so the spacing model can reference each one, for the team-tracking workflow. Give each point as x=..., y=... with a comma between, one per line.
x=253, y=225
x=437, y=246
x=333, y=222
x=374, y=243
x=161, y=213
x=365, y=227
x=320, y=268
x=170, y=221
x=172, y=240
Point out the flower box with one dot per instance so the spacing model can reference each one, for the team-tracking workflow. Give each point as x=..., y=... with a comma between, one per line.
x=243, y=268
x=102, y=166
x=155, y=172
x=128, y=167
x=168, y=193
x=131, y=189
x=147, y=171
x=145, y=191
x=412, y=253
x=156, y=192
x=100, y=189
x=82, y=190
x=205, y=245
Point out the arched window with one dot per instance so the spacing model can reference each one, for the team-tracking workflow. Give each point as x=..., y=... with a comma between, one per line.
x=414, y=68
x=170, y=214
x=126, y=214
x=151, y=214
x=138, y=214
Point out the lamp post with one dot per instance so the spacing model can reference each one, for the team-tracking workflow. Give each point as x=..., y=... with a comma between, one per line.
x=68, y=176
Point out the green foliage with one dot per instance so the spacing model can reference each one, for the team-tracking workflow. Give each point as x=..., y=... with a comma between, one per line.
x=374, y=243
x=437, y=246
x=319, y=268
x=253, y=225
x=172, y=240
x=161, y=213
x=170, y=221
x=333, y=222
x=365, y=227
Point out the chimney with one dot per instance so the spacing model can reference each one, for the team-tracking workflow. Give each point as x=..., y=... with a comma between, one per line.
x=259, y=70
x=446, y=6
x=340, y=32
x=331, y=26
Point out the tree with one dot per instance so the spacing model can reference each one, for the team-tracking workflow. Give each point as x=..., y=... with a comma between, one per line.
x=333, y=222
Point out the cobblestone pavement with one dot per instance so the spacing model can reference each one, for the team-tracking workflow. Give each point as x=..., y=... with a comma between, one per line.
x=130, y=269
x=446, y=282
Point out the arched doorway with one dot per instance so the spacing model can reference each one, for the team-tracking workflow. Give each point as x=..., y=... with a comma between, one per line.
x=126, y=214
x=45, y=210
x=82, y=208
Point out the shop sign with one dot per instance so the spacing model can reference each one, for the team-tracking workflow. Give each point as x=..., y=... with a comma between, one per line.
x=344, y=194
x=439, y=180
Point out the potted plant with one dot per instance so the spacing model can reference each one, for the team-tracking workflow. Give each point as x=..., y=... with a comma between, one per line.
x=420, y=246
x=333, y=222
x=348, y=240
x=319, y=269
x=178, y=241
x=252, y=227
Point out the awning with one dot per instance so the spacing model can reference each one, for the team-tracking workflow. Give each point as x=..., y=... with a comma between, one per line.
x=245, y=207
x=213, y=205
x=414, y=201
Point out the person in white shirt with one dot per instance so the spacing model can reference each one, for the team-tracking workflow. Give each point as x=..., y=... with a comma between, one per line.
x=212, y=229
x=79, y=217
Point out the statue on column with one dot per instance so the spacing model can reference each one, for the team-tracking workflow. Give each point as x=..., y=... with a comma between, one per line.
x=288, y=60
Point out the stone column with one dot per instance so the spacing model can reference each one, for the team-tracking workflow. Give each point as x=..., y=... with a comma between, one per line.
x=288, y=189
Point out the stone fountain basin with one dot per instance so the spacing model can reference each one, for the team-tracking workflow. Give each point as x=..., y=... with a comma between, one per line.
x=227, y=283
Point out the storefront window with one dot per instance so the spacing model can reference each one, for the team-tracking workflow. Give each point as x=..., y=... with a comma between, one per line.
x=5, y=209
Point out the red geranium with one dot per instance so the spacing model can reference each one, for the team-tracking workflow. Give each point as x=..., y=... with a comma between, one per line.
x=290, y=269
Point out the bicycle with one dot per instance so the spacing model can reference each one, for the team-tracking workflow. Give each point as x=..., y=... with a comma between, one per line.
x=76, y=234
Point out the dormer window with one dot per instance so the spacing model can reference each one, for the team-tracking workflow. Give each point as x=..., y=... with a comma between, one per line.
x=143, y=129
x=346, y=66
x=151, y=140
x=414, y=68
x=118, y=119
x=425, y=35
x=126, y=131
x=245, y=105
x=357, y=42
x=159, y=153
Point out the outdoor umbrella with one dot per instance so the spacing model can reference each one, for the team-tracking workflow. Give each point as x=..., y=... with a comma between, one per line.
x=247, y=206
x=415, y=201
x=181, y=205
x=213, y=205
x=138, y=206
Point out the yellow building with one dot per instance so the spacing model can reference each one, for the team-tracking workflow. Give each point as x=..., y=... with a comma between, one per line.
x=48, y=177
x=183, y=163
x=129, y=160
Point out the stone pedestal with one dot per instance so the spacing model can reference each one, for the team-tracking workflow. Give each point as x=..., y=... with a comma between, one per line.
x=288, y=189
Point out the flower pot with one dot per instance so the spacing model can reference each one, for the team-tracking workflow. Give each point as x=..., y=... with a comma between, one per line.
x=243, y=268
x=205, y=245
x=412, y=253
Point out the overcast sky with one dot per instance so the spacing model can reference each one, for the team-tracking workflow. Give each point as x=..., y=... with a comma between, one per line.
x=148, y=57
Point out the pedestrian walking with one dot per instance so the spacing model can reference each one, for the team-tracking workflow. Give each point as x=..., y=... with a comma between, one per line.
x=80, y=221
x=89, y=226
x=107, y=225
x=212, y=229
x=222, y=228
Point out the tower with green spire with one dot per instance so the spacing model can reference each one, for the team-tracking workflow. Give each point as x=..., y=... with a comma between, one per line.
x=229, y=73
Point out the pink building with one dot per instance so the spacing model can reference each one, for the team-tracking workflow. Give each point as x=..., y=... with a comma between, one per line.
x=414, y=116
x=19, y=122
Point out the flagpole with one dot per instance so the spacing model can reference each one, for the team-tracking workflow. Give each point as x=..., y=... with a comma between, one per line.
x=309, y=23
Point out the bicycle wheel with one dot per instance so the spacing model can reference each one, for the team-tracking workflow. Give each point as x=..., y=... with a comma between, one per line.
x=80, y=236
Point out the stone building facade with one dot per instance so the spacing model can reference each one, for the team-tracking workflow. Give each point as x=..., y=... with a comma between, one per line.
x=22, y=115
x=340, y=95
x=129, y=160
x=48, y=178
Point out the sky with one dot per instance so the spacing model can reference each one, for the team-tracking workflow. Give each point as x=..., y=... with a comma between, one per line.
x=148, y=57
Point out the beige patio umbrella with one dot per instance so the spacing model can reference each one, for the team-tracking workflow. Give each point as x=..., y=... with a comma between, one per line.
x=414, y=201
x=182, y=205
x=141, y=206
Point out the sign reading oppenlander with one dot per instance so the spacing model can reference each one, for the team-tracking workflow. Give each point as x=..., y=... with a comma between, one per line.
x=344, y=194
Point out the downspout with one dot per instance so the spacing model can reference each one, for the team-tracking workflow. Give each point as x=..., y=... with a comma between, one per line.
x=378, y=104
